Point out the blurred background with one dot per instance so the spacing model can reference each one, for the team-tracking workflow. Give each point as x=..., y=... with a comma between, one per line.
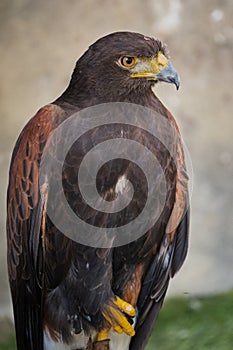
x=40, y=42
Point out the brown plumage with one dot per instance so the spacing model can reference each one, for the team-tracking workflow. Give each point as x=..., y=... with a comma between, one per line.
x=51, y=288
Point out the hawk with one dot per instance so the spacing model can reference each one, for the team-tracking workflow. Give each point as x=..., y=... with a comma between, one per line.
x=69, y=295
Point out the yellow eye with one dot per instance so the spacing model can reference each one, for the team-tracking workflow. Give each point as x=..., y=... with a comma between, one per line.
x=127, y=61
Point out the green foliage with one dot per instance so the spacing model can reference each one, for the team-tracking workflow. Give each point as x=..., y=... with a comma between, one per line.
x=198, y=323
x=7, y=338
x=8, y=344
x=194, y=323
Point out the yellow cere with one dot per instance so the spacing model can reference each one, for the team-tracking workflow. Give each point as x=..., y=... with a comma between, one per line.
x=149, y=67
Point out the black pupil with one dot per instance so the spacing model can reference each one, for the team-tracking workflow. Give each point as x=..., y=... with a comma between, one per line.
x=128, y=60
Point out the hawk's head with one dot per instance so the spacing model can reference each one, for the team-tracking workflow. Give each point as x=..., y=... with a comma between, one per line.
x=123, y=62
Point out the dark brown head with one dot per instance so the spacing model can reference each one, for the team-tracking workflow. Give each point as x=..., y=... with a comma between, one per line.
x=120, y=64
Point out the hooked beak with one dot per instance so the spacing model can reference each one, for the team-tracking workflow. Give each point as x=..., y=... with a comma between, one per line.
x=169, y=75
x=158, y=68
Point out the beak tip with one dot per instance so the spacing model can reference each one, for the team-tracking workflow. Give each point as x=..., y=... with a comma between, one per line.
x=177, y=85
x=169, y=75
x=175, y=80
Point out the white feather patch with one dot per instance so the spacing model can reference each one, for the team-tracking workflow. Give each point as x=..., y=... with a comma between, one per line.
x=79, y=342
x=121, y=184
x=119, y=341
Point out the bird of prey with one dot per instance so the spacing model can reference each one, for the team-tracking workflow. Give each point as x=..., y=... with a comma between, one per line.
x=68, y=295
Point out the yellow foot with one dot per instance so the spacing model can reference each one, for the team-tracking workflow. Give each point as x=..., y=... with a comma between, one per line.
x=124, y=306
x=114, y=314
x=102, y=335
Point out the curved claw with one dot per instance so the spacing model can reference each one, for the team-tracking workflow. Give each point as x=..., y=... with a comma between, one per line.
x=113, y=313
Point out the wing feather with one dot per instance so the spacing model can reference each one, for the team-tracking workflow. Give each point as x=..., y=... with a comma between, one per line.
x=155, y=284
x=168, y=259
x=24, y=214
